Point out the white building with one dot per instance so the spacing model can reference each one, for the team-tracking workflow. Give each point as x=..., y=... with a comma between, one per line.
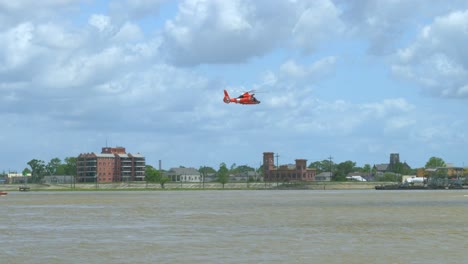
x=184, y=175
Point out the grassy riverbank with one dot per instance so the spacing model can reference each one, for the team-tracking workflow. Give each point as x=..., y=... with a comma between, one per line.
x=141, y=186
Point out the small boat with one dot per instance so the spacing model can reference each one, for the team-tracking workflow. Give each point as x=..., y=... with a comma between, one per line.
x=3, y=193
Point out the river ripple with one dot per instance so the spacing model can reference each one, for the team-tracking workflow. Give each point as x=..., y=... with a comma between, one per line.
x=248, y=226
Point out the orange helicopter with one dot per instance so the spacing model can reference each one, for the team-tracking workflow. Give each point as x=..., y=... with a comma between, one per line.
x=245, y=98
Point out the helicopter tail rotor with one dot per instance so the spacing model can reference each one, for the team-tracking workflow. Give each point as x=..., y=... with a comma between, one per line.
x=226, y=99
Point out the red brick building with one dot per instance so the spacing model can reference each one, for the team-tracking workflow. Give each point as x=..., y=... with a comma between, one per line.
x=296, y=172
x=111, y=165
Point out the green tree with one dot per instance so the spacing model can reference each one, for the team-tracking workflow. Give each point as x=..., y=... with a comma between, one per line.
x=60, y=169
x=397, y=168
x=322, y=166
x=223, y=174
x=233, y=167
x=343, y=168
x=244, y=168
x=38, y=170
x=259, y=173
x=153, y=175
x=67, y=168
x=435, y=162
x=442, y=173
x=70, y=166
x=26, y=171
x=52, y=166
x=339, y=176
x=367, y=169
x=205, y=169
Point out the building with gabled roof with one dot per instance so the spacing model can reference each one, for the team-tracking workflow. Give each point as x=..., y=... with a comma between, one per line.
x=183, y=174
x=382, y=168
x=111, y=165
x=324, y=176
x=390, y=167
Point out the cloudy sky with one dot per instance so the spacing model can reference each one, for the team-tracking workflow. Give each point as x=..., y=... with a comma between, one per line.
x=351, y=79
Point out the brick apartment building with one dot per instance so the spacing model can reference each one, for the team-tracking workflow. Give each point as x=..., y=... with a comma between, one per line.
x=111, y=165
x=297, y=172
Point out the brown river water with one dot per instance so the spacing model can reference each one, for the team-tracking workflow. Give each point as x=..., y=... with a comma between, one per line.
x=235, y=226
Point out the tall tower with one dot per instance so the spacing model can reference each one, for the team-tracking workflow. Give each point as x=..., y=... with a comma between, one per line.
x=268, y=164
x=301, y=164
x=301, y=167
x=394, y=158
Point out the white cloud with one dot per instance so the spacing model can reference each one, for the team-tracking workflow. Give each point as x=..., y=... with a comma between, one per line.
x=320, y=68
x=212, y=32
x=399, y=123
x=463, y=91
x=386, y=23
x=236, y=31
x=437, y=59
x=96, y=75
x=388, y=106
x=129, y=32
x=134, y=9
x=319, y=21
x=54, y=36
x=302, y=114
x=101, y=22
x=17, y=46
x=20, y=11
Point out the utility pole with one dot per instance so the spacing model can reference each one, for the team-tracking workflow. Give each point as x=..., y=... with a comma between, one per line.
x=330, y=158
x=203, y=179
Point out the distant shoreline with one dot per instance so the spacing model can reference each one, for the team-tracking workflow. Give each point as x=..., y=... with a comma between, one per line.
x=142, y=186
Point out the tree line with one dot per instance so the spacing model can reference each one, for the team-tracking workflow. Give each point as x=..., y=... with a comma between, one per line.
x=338, y=170
x=39, y=168
x=153, y=175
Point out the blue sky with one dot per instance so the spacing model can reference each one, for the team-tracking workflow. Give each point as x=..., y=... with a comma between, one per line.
x=355, y=80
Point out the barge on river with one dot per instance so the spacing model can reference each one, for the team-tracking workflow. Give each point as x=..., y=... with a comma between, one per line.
x=416, y=187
